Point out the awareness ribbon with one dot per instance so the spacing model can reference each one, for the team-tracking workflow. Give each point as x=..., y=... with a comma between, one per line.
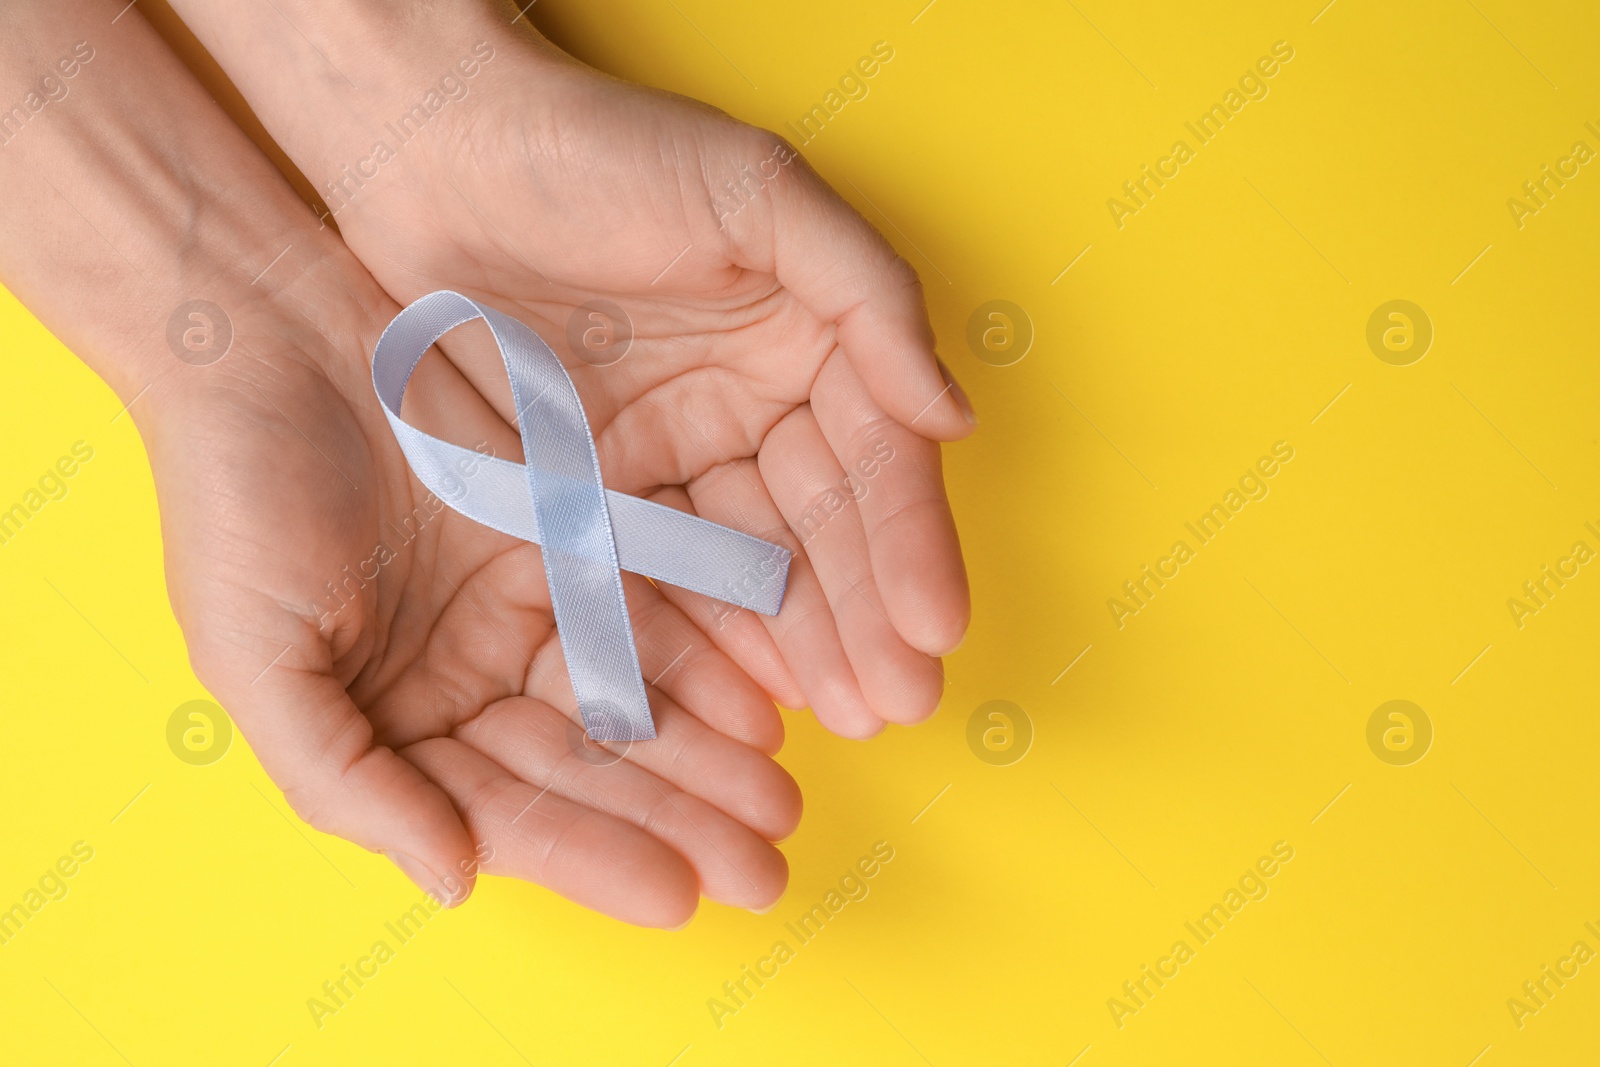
x=589, y=534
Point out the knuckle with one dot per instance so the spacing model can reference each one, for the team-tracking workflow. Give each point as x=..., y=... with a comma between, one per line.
x=663, y=817
x=903, y=274
x=490, y=795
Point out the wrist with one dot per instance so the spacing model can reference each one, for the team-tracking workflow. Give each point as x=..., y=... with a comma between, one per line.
x=148, y=234
x=344, y=87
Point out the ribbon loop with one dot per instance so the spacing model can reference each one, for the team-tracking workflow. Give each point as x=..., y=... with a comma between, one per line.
x=589, y=534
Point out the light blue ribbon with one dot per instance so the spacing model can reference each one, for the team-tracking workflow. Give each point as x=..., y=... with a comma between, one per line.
x=589, y=533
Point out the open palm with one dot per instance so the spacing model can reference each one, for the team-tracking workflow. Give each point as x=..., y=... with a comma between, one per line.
x=745, y=345
x=396, y=667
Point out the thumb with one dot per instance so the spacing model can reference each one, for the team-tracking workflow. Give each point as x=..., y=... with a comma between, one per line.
x=841, y=268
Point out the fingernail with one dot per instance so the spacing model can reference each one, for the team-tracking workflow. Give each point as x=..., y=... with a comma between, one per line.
x=680, y=926
x=766, y=910
x=959, y=395
x=418, y=872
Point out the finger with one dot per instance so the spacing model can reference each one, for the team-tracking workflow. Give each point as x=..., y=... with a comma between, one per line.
x=735, y=778
x=703, y=707
x=899, y=492
x=496, y=639
x=842, y=269
x=318, y=747
x=675, y=653
x=804, y=630
x=542, y=746
x=901, y=684
x=736, y=631
x=676, y=657
x=589, y=857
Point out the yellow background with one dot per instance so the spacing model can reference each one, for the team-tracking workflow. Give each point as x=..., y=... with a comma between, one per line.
x=1223, y=717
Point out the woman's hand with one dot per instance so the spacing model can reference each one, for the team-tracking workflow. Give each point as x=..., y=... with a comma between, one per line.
x=393, y=665
x=396, y=666
x=780, y=376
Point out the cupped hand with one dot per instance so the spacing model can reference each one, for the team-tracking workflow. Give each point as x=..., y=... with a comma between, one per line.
x=395, y=666
x=745, y=344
